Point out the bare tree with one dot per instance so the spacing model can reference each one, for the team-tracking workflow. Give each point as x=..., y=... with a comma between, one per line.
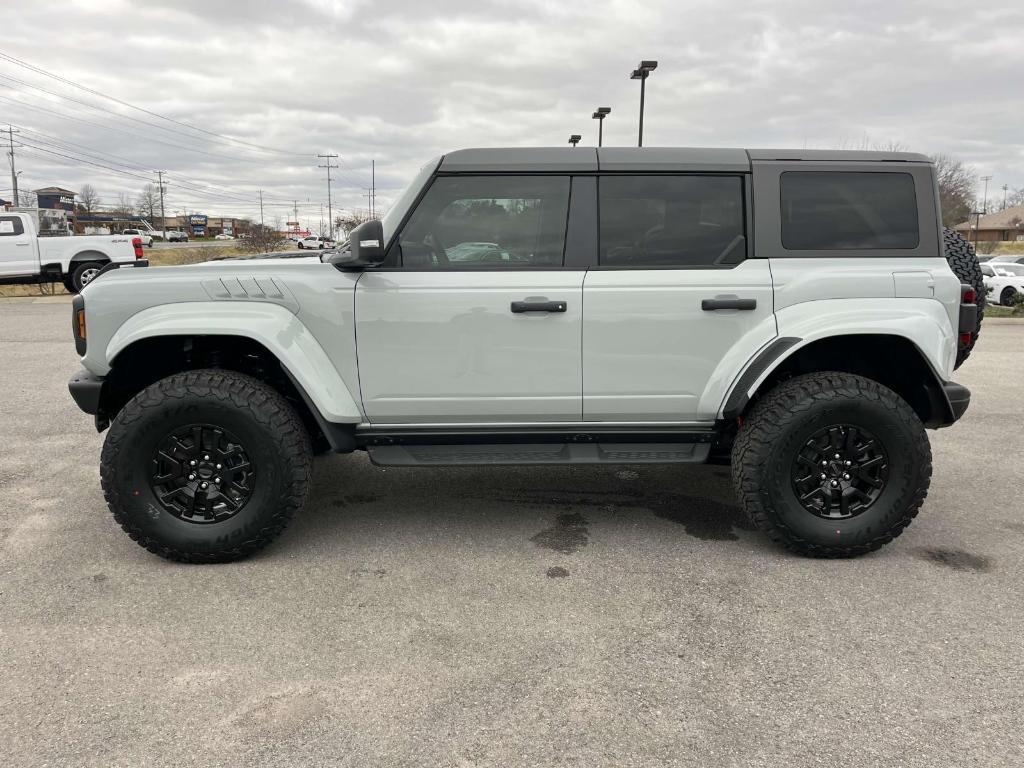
x=262, y=239
x=349, y=220
x=123, y=207
x=957, y=183
x=148, y=202
x=1015, y=198
x=88, y=198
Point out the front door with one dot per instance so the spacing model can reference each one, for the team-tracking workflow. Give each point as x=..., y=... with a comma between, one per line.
x=17, y=254
x=674, y=308
x=478, y=320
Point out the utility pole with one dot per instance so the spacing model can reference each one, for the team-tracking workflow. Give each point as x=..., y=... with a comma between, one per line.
x=295, y=209
x=1005, y=187
x=14, y=174
x=160, y=187
x=986, y=179
x=261, y=209
x=330, y=211
x=373, y=188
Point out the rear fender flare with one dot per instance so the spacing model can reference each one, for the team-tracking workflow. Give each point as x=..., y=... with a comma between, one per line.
x=923, y=322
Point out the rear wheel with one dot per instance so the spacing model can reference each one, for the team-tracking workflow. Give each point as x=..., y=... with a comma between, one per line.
x=831, y=465
x=1006, y=297
x=206, y=466
x=964, y=263
x=82, y=275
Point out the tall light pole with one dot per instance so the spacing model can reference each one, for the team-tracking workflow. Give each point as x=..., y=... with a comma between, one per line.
x=641, y=73
x=575, y=139
x=600, y=114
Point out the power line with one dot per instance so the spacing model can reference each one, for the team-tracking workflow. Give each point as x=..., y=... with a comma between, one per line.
x=66, y=81
x=330, y=218
x=64, y=116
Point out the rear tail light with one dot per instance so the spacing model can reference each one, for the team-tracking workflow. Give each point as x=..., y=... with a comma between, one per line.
x=968, y=295
x=965, y=339
x=137, y=245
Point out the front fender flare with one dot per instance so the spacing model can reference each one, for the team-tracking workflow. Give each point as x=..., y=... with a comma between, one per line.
x=273, y=326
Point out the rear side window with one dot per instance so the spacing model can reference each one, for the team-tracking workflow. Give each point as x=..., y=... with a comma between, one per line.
x=11, y=226
x=671, y=221
x=474, y=222
x=848, y=210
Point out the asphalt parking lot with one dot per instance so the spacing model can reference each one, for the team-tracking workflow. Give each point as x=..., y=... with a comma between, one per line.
x=505, y=617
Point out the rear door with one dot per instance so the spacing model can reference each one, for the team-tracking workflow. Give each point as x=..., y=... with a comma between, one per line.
x=675, y=307
x=17, y=254
x=479, y=319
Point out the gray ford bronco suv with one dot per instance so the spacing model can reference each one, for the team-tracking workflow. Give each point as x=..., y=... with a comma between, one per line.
x=796, y=314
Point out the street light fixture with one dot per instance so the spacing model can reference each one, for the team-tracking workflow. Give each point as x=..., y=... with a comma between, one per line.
x=600, y=115
x=575, y=139
x=641, y=73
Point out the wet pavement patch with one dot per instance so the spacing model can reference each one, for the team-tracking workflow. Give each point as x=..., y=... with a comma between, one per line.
x=956, y=559
x=702, y=518
x=569, y=534
x=556, y=572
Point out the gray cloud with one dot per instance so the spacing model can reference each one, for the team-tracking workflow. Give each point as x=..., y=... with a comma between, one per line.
x=399, y=82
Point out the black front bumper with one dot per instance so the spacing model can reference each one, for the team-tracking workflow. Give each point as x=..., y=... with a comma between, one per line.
x=958, y=397
x=87, y=391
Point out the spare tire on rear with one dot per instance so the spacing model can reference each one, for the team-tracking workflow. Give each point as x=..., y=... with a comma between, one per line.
x=964, y=263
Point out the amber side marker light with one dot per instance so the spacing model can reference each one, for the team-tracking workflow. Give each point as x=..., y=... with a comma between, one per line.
x=80, y=322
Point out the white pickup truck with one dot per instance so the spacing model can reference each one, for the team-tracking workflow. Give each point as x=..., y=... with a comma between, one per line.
x=74, y=261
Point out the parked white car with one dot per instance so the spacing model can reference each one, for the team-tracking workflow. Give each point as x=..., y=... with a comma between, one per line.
x=315, y=241
x=224, y=237
x=75, y=261
x=143, y=235
x=1003, y=280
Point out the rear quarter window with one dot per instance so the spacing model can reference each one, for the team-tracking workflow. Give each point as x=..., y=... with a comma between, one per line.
x=848, y=210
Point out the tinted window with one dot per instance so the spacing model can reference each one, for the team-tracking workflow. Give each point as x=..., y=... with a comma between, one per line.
x=848, y=210
x=671, y=221
x=10, y=226
x=488, y=221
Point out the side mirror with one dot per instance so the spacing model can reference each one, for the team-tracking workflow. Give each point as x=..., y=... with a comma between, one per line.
x=365, y=247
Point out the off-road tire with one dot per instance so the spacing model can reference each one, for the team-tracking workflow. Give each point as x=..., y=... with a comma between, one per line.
x=273, y=435
x=776, y=428
x=79, y=273
x=964, y=263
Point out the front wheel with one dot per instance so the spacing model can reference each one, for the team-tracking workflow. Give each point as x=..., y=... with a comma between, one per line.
x=831, y=464
x=206, y=466
x=1006, y=297
x=301, y=246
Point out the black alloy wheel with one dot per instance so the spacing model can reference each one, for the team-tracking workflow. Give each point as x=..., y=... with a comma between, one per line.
x=840, y=472
x=202, y=474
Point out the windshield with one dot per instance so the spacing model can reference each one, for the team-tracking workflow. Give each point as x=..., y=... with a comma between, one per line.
x=1009, y=269
x=396, y=213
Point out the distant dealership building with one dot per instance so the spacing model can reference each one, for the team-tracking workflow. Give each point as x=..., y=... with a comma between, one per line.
x=1007, y=224
x=56, y=198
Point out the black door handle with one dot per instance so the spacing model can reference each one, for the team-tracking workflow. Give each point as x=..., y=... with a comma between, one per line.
x=538, y=306
x=710, y=305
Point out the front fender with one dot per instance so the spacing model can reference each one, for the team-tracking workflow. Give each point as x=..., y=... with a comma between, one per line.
x=923, y=322
x=273, y=326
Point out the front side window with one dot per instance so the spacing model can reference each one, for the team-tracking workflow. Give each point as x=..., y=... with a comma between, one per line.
x=671, y=221
x=467, y=222
x=848, y=210
x=11, y=226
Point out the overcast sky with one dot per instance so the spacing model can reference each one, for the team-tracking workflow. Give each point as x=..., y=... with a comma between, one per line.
x=400, y=82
